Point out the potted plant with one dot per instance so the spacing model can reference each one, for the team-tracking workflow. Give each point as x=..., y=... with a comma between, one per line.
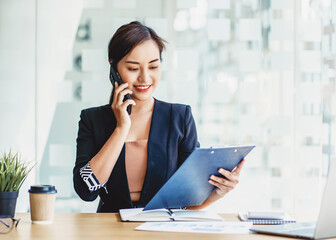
x=13, y=172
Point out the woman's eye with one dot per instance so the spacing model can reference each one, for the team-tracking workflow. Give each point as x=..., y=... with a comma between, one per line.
x=132, y=69
x=154, y=67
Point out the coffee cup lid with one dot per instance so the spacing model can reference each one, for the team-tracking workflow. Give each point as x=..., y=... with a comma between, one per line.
x=42, y=189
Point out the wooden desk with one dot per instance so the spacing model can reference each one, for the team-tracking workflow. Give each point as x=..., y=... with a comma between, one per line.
x=98, y=226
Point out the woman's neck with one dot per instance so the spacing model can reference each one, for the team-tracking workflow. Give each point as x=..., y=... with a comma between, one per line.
x=143, y=106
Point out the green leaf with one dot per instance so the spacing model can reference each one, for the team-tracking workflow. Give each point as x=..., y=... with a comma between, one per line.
x=13, y=171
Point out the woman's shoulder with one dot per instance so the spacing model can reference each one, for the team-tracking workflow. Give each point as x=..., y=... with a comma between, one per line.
x=175, y=111
x=179, y=107
x=99, y=111
x=102, y=108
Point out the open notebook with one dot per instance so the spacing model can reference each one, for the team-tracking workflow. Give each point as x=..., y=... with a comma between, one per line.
x=163, y=215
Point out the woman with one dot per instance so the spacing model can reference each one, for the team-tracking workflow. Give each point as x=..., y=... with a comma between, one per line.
x=126, y=159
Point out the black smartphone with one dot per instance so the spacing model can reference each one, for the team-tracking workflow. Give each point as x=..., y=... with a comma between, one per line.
x=115, y=77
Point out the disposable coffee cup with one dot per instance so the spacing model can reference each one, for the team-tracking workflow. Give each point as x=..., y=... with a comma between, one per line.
x=42, y=203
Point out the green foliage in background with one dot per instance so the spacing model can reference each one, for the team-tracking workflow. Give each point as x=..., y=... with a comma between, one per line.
x=13, y=171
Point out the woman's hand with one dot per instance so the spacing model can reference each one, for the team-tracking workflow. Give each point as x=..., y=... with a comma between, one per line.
x=119, y=107
x=228, y=182
x=224, y=185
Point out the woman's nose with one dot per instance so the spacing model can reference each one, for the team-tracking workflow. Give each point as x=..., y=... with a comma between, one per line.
x=144, y=75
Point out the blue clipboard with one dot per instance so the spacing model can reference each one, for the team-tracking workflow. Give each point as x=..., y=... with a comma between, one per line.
x=189, y=185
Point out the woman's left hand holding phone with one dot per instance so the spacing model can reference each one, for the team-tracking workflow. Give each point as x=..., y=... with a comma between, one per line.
x=103, y=162
x=119, y=106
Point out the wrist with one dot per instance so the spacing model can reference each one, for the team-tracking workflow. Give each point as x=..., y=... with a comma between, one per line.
x=121, y=131
x=219, y=193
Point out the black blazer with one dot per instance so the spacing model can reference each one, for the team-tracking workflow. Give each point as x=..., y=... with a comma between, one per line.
x=172, y=138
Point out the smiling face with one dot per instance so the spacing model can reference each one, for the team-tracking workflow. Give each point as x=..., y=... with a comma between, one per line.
x=141, y=69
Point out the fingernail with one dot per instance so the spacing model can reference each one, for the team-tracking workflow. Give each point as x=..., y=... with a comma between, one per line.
x=212, y=177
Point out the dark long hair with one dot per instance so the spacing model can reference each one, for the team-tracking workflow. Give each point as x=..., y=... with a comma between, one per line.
x=126, y=38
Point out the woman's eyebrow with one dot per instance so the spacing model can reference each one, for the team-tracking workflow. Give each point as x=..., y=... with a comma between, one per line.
x=154, y=60
x=133, y=62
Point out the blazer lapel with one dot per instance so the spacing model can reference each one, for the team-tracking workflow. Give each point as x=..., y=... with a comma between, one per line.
x=157, y=160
